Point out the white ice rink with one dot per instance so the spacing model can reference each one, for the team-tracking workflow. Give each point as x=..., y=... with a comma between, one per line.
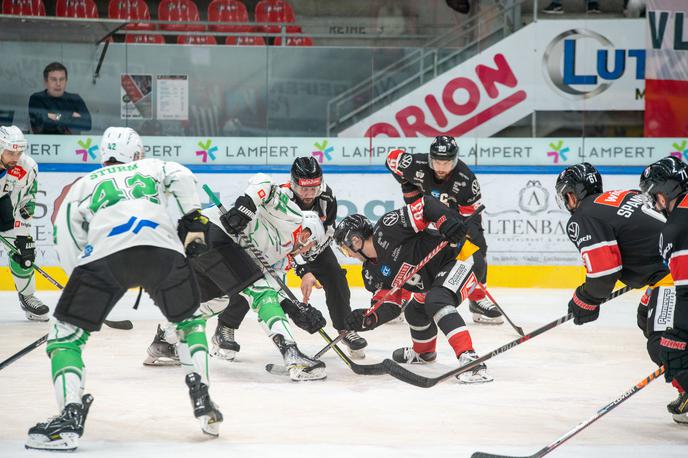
x=542, y=389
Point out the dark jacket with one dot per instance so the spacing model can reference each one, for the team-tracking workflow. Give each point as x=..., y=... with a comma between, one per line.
x=40, y=104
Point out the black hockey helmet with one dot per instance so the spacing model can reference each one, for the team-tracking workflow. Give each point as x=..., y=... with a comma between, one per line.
x=444, y=148
x=667, y=176
x=355, y=225
x=581, y=179
x=306, y=173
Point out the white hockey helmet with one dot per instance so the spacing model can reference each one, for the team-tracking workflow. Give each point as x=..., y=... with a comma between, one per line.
x=11, y=138
x=312, y=222
x=120, y=144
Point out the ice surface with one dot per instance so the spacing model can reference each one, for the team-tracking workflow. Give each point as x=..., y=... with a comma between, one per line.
x=542, y=389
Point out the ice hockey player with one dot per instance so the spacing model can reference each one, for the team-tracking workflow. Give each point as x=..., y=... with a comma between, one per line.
x=18, y=186
x=666, y=183
x=113, y=232
x=279, y=230
x=315, y=268
x=389, y=251
x=617, y=238
x=444, y=176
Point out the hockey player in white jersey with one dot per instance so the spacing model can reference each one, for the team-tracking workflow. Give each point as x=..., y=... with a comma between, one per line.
x=112, y=232
x=276, y=226
x=18, y=186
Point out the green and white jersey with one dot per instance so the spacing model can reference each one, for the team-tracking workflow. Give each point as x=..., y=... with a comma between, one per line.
x=21, y=184
x=277, y=222
x=122, y=206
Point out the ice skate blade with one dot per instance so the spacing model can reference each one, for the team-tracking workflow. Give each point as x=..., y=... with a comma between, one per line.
x=227, y=355
x=482, y=319
x=68, y=442
x=357, y=354
x=681, y=419
x=472, y=379
x=209, y=425
x=299, y=374
x=33, y=317
x=160, y=362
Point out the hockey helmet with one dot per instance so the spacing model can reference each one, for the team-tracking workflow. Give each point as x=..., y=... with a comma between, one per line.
x=11, y=138
x=306, y=178
x=355, y=225
x=444, y=148
x=120, y=144
x=667, y=176
x=581, y=179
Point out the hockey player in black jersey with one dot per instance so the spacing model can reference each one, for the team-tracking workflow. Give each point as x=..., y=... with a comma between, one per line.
x=617, y=238
x=389, y=251
x=444, y=176
x=318, y=268
x=666, y=184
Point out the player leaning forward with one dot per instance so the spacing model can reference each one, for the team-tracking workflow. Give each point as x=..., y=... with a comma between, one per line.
x=617, y=238
x=18, y=186
x=666, y=183
x=389, y=251
x=112, y=232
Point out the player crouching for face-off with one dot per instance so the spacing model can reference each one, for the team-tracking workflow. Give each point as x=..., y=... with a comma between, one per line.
x=113, y=232
x=617, y=236
x=18, y=186
x=279, y=230
x=666, y=184
x=389, y=251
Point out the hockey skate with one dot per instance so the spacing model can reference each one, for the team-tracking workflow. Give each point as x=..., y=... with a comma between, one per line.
x=160, y=352
x=300, y=366
x=61, y=433
x=476, y=375
x=406, y=355
x=34, y=308
x=485, y=312
x=223, y=344
x=678, y=408
x=205, y=409
x=355, y=344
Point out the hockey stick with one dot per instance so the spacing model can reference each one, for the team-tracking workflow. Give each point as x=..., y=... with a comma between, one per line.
x=518, y=329
x=23, y=351
x=124, y=325
x=581, y=426
x=405, y=375
x=400, y=283
x=362, y=369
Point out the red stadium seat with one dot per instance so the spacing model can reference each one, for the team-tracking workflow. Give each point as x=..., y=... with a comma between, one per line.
x=76, y=9
x=245, y=41
x=196, y=40
x=294, y=41
x=274, y=11
x=179, y=10
x=146, y=39
x=23, y=7
x=228, y=11
x=130, y=10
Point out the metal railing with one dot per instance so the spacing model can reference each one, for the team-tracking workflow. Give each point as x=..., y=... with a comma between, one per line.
x=423, y=64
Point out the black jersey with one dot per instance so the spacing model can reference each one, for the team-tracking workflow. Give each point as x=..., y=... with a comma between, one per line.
x=401, y=243
x=673, y=247
x=617, y=241
x=460, y=190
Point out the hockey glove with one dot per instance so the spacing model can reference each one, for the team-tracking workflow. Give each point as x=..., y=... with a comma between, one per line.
x=238, y=217
x=304, y=316
x=584, y=308
x=26, y=253
x=357, y=321
x=673, y=352
x=452, y=229
x=25, y=213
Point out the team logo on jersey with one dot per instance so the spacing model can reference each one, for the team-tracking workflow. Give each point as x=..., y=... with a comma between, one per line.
x=435, y=194
x=533, y=198
x=405, y=161
x=574, y=230
x=612, y=198
x=390, y=219
x=420, y=175
x=18, y=172
x=683, y=203
x=475, y=187
x=386, y=270
x=457, y=185
x=88, y=249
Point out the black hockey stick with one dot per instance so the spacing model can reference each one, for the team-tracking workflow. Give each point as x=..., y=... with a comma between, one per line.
x=124, y=325
x=518, y=329
x=405, y=375
x=362, y=369
x=581, y=426
x=23, y=351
